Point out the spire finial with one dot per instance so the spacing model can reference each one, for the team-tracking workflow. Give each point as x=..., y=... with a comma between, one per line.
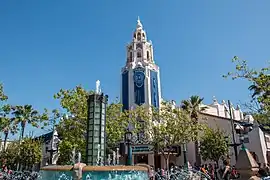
x=139, y=24
x=215, y=100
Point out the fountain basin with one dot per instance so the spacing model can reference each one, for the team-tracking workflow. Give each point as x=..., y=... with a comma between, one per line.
x=55, y=172
x=115, y=173
x=95, y=173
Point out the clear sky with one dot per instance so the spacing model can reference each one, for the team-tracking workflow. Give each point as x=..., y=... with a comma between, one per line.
x=48, y=45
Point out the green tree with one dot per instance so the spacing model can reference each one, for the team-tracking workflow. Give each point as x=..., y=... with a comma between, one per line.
x=30, y=153
x=118, y=121
x=193, y=107
x=7, y=123
x=10, y=157
x=213, y=145
x=259, y=87
x=170, y=127
x=3, y=97
x=72, y=129
x=27, y=114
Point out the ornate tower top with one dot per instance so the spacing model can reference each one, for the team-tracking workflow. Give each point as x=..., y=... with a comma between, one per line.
x=139, y=34
x=140, y=50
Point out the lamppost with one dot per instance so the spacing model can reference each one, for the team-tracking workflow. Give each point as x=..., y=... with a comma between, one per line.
x=246, y=128
x=128, y=138
x=185, y=156
x=242, y=138
x=234, y=145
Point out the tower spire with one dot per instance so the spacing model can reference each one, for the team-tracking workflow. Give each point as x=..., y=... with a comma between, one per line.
x=139, y=24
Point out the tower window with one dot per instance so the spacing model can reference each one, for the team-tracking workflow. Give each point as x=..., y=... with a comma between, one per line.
x=134, y=35
x=143, y=35
x=130, y=56
x=139, y=54
x=139, y=46
x=148, y=55
x=139, y=36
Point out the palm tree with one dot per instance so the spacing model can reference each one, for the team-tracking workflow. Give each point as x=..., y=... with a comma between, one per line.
x=25, y=114
x=193, y=108
x=3, y=97
x=7, y=124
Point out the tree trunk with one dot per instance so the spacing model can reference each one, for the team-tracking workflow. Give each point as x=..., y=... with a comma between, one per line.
x=5, y=141
x=217, y=163
x=23, y=127
x=167, y=160
x=167, y=163
x=197, y=155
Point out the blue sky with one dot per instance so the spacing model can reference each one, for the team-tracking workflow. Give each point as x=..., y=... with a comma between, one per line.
x=48, y=45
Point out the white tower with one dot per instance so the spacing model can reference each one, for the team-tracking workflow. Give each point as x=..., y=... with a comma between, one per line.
x=140, y=76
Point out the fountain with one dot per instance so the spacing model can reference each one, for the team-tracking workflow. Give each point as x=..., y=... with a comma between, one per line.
x=96, y=168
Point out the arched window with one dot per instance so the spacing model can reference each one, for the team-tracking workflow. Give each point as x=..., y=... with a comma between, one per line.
x=130, y=56
x=134, y=35
x=148, y=55
x=139, y=36
x=139, y=54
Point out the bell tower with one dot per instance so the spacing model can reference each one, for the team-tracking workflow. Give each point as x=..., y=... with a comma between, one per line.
x=140, y=75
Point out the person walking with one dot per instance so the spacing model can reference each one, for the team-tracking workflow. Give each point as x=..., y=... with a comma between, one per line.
x=226, y=170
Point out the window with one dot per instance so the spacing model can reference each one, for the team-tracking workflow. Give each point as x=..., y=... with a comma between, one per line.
x=90, y=145
x=97, y=109
x=97, y=121
x=139, y=54
x=148, y=55
x=96, y=128
x=139, y=36
x=91, y=126
x=97, y=115
x=130, y=56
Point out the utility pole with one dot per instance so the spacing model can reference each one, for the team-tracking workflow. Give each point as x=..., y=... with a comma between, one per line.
x=233, y=135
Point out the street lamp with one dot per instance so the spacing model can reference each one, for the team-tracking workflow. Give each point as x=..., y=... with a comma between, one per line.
x=242, y=138
x=128, y=138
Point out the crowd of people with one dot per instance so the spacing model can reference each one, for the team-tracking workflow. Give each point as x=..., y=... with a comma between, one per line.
x=225, y=172
x=228, y=172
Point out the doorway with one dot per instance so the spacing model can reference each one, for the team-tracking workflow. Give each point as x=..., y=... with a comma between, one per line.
x=141, y=159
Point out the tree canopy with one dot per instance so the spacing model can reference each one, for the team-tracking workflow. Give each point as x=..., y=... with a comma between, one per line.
x=72, y=129
x=27, y=153
x=213, y=144
x=193, y=106
x=3, y=96
x=259, y=88
x=171, y=126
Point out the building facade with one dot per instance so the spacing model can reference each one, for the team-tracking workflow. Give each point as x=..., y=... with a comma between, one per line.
x=217, y=115
x=140, y=85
